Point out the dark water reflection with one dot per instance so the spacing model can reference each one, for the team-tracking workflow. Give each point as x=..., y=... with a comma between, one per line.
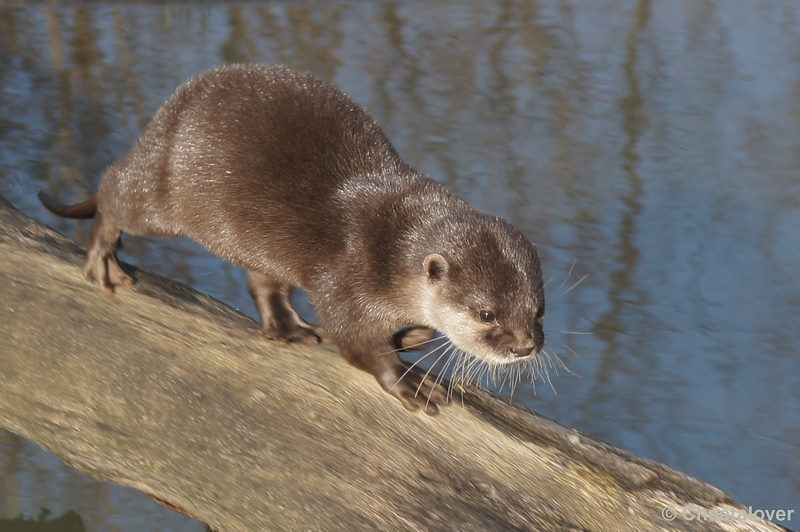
x=655, y=146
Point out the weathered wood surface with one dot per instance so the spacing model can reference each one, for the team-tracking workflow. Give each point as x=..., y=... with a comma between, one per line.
x=170, y=392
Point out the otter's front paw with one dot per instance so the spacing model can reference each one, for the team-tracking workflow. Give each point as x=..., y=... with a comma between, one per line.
x=416, y=391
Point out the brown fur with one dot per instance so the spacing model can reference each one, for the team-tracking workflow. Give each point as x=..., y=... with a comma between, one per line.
x=283, y=174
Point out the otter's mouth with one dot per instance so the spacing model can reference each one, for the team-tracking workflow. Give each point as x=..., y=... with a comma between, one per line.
x=493, y=355
x=506, y=368
x=496, y=357
x=521, y=353
x=479, y=363
x=509, y=357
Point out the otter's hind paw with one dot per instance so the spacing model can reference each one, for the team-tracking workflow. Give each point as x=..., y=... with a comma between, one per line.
x=305, y=334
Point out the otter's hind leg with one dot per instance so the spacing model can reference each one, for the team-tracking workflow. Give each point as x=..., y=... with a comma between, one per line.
x=101, y=257
x=279, y=321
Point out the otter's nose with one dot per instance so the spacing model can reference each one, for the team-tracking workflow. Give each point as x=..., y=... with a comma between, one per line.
x=520, y=352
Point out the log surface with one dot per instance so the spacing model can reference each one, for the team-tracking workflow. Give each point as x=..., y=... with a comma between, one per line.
x=171, y=392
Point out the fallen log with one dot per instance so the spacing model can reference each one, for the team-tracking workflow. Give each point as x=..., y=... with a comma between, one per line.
x=169, y=391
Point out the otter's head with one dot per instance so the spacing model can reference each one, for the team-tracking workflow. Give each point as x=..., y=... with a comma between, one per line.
x=485, y=292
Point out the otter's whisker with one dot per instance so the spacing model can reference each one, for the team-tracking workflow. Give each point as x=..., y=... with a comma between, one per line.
x=414, y=364
x=453, y=354
x=429, y=371
x=412, y=347
x=473, y=368
x=463, y=364
x=481, y=369
x=458, y=376
x=534, y=371
x=425, y=377
x=559, y=362
x=569, y=274
x=565, y=346
x=579, y=281
x=510, y=374
x=508, y=377
x=540, y=290
x=514, y=376
x=487, y=372
x=522, y=370
x=455, y=376
x=547, y=374
x=458, y=356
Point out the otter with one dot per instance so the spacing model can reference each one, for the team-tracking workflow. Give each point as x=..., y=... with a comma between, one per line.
x=285, y=175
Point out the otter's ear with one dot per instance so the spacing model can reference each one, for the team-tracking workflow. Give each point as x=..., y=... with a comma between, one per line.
x=435, y=267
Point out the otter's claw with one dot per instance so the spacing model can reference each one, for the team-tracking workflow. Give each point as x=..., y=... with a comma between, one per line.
x=417, y=392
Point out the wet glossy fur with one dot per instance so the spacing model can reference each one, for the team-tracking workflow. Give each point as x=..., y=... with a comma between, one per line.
x=283, y=174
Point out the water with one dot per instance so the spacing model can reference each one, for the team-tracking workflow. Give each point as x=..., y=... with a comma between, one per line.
x=653, y=146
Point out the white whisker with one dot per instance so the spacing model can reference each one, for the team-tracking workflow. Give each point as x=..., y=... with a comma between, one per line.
x=413, y=365
x=428, y=373
x=569, y=273
x=579, y=281
x=409, y=348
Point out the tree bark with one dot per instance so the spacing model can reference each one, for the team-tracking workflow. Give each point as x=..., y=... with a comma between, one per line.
x=171, y=392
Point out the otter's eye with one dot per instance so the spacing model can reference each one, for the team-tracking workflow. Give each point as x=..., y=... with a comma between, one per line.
x=487, y=316
x=540, y=313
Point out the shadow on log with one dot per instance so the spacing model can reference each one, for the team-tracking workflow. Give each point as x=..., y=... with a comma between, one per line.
x=171, y=392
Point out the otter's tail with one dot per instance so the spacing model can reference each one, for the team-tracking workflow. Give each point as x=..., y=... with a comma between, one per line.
x=84, y=210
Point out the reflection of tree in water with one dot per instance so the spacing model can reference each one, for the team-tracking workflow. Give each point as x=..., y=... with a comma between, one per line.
x=69, y=522
x=239, y=47
x=627, y=300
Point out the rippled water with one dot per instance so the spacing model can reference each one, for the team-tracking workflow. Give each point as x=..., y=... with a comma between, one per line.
x=653, y=146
